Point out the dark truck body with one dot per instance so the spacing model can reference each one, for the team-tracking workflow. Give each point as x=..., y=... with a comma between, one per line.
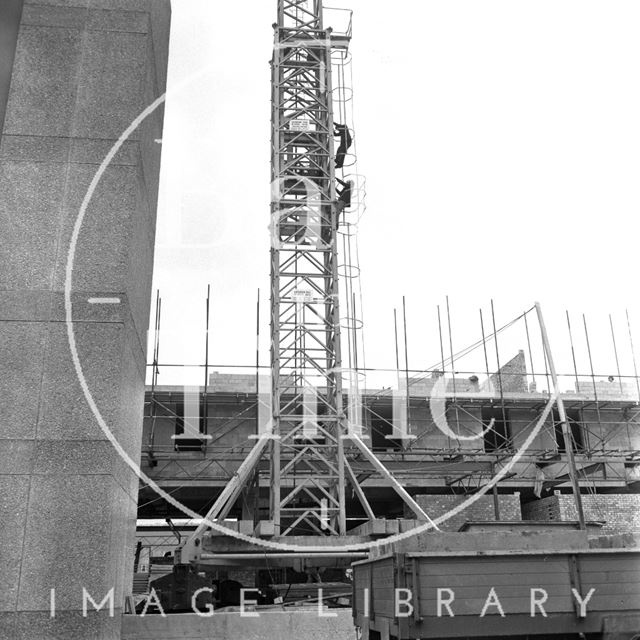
x=613, y=610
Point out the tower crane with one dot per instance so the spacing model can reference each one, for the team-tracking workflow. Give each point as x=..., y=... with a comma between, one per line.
x=309, y=440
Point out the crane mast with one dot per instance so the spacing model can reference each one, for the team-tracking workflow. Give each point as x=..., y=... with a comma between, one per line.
x=305, y=438
x=307, y=457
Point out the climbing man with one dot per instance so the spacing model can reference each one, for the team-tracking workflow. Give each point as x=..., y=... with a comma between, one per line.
x=344, y=198
x=346, y=140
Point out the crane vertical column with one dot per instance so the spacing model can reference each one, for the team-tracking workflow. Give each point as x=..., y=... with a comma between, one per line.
x=307, y=458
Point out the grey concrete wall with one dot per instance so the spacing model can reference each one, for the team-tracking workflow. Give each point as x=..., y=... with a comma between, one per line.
x=284, y=625
x=83, y=70
x=10, y=12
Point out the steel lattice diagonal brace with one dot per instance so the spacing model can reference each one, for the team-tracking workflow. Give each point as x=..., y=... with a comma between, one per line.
x=190, y=550
x=399, y=489
x=359, y=491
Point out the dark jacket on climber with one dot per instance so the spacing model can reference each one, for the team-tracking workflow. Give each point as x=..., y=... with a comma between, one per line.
x=345, y=142
x=344, y=197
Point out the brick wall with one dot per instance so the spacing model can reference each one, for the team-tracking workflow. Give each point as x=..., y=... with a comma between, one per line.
x=512, y=376
x=621, y=512
x=546, y=509
x=481, y=510
x=607, y=388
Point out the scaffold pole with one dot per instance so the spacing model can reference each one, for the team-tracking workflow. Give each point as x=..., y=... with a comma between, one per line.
x=566, y=433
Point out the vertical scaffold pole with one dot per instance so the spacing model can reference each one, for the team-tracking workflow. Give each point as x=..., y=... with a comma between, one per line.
x=205, y=400
x=566, y=434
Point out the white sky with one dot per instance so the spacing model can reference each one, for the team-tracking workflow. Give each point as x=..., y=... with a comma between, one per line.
x=500, y=140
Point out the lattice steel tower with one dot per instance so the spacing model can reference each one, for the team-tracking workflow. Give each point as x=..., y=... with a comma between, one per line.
x=307, y=458
x=309, y=428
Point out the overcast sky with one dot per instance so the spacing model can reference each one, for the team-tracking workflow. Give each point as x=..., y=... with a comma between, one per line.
x=500, y=140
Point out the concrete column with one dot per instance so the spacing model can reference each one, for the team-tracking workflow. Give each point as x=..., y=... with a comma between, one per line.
x=83, y=70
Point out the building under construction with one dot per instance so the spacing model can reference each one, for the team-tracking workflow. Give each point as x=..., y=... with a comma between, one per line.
x=493, y=494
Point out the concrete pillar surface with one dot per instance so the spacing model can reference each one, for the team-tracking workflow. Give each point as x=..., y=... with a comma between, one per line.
x=82, y=71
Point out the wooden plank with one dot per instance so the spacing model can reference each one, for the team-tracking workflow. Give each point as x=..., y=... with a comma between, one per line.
x=361, y=580
x=512, y=590
x=383, y=576
x=385, y=608
x=600, y=577
x=608, y=563
x=485, y=567
x=383, y=587
x=474, y=606
x=612, y=588
x=495, y=579
x=476, y=553
x=514, y=625
x=377, y=560
x=613, y=603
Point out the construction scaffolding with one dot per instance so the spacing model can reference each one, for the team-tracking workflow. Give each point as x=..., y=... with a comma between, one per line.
x=402, y=420
x=317, y=443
